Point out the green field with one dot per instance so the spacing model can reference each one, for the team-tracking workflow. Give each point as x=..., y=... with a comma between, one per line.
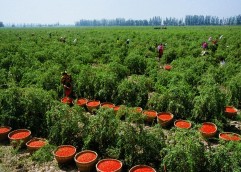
x=105, y=68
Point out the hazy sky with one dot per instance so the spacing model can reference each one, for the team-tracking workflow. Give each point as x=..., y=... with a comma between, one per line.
x=70, y=11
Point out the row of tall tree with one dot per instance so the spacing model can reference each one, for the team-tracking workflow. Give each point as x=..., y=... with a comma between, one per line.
x=1, y=24
x=190, y=20
x=211, y=20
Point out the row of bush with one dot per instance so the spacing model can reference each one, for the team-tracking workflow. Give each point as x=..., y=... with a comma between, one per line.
x=110, y=136
x=132, y=142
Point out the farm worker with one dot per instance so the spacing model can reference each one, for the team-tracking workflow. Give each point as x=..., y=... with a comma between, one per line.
x=215, y=42
x=117, y=40
x=210, y=39
x=160, y=50
x=222, y=62
x=215, y=45
x=75, y=41
x=62, y=39
x=66, y=81
x=127, y=41
x=205, y=45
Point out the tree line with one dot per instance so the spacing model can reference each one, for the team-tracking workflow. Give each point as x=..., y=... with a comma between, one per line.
x=189, y=20
x=1, y=24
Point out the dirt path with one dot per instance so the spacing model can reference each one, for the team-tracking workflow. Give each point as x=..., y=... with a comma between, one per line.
x=20, y=161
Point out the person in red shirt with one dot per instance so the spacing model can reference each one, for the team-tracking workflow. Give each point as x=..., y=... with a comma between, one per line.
x=66, y=80
x=160, y=50
x=204, y=45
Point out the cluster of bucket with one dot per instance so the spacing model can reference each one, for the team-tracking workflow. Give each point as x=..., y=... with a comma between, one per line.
x=86, y=160
x=210, y=130
x=165, y=119
x=20, y=138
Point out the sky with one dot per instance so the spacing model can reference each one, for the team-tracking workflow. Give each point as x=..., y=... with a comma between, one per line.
x=70, y=11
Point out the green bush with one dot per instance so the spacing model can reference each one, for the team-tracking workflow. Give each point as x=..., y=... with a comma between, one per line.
x=44, y=154
x=101, y=131
x=138, y=145
x=119, y=70
x=66, y=125
x=234, y=91
x=85, y=82
x=169, y=56
x=184, y=152
x=174, y=94
x=97, y=83
x=3, y=82
x=225, y=157
x=180, y=99
x=136, y=64
x=105, y=85
x=26, y=108
x=158, y=102
x=134, y=91
x=209, y=104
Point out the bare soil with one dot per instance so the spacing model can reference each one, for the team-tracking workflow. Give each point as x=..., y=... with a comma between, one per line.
x=21, y=161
